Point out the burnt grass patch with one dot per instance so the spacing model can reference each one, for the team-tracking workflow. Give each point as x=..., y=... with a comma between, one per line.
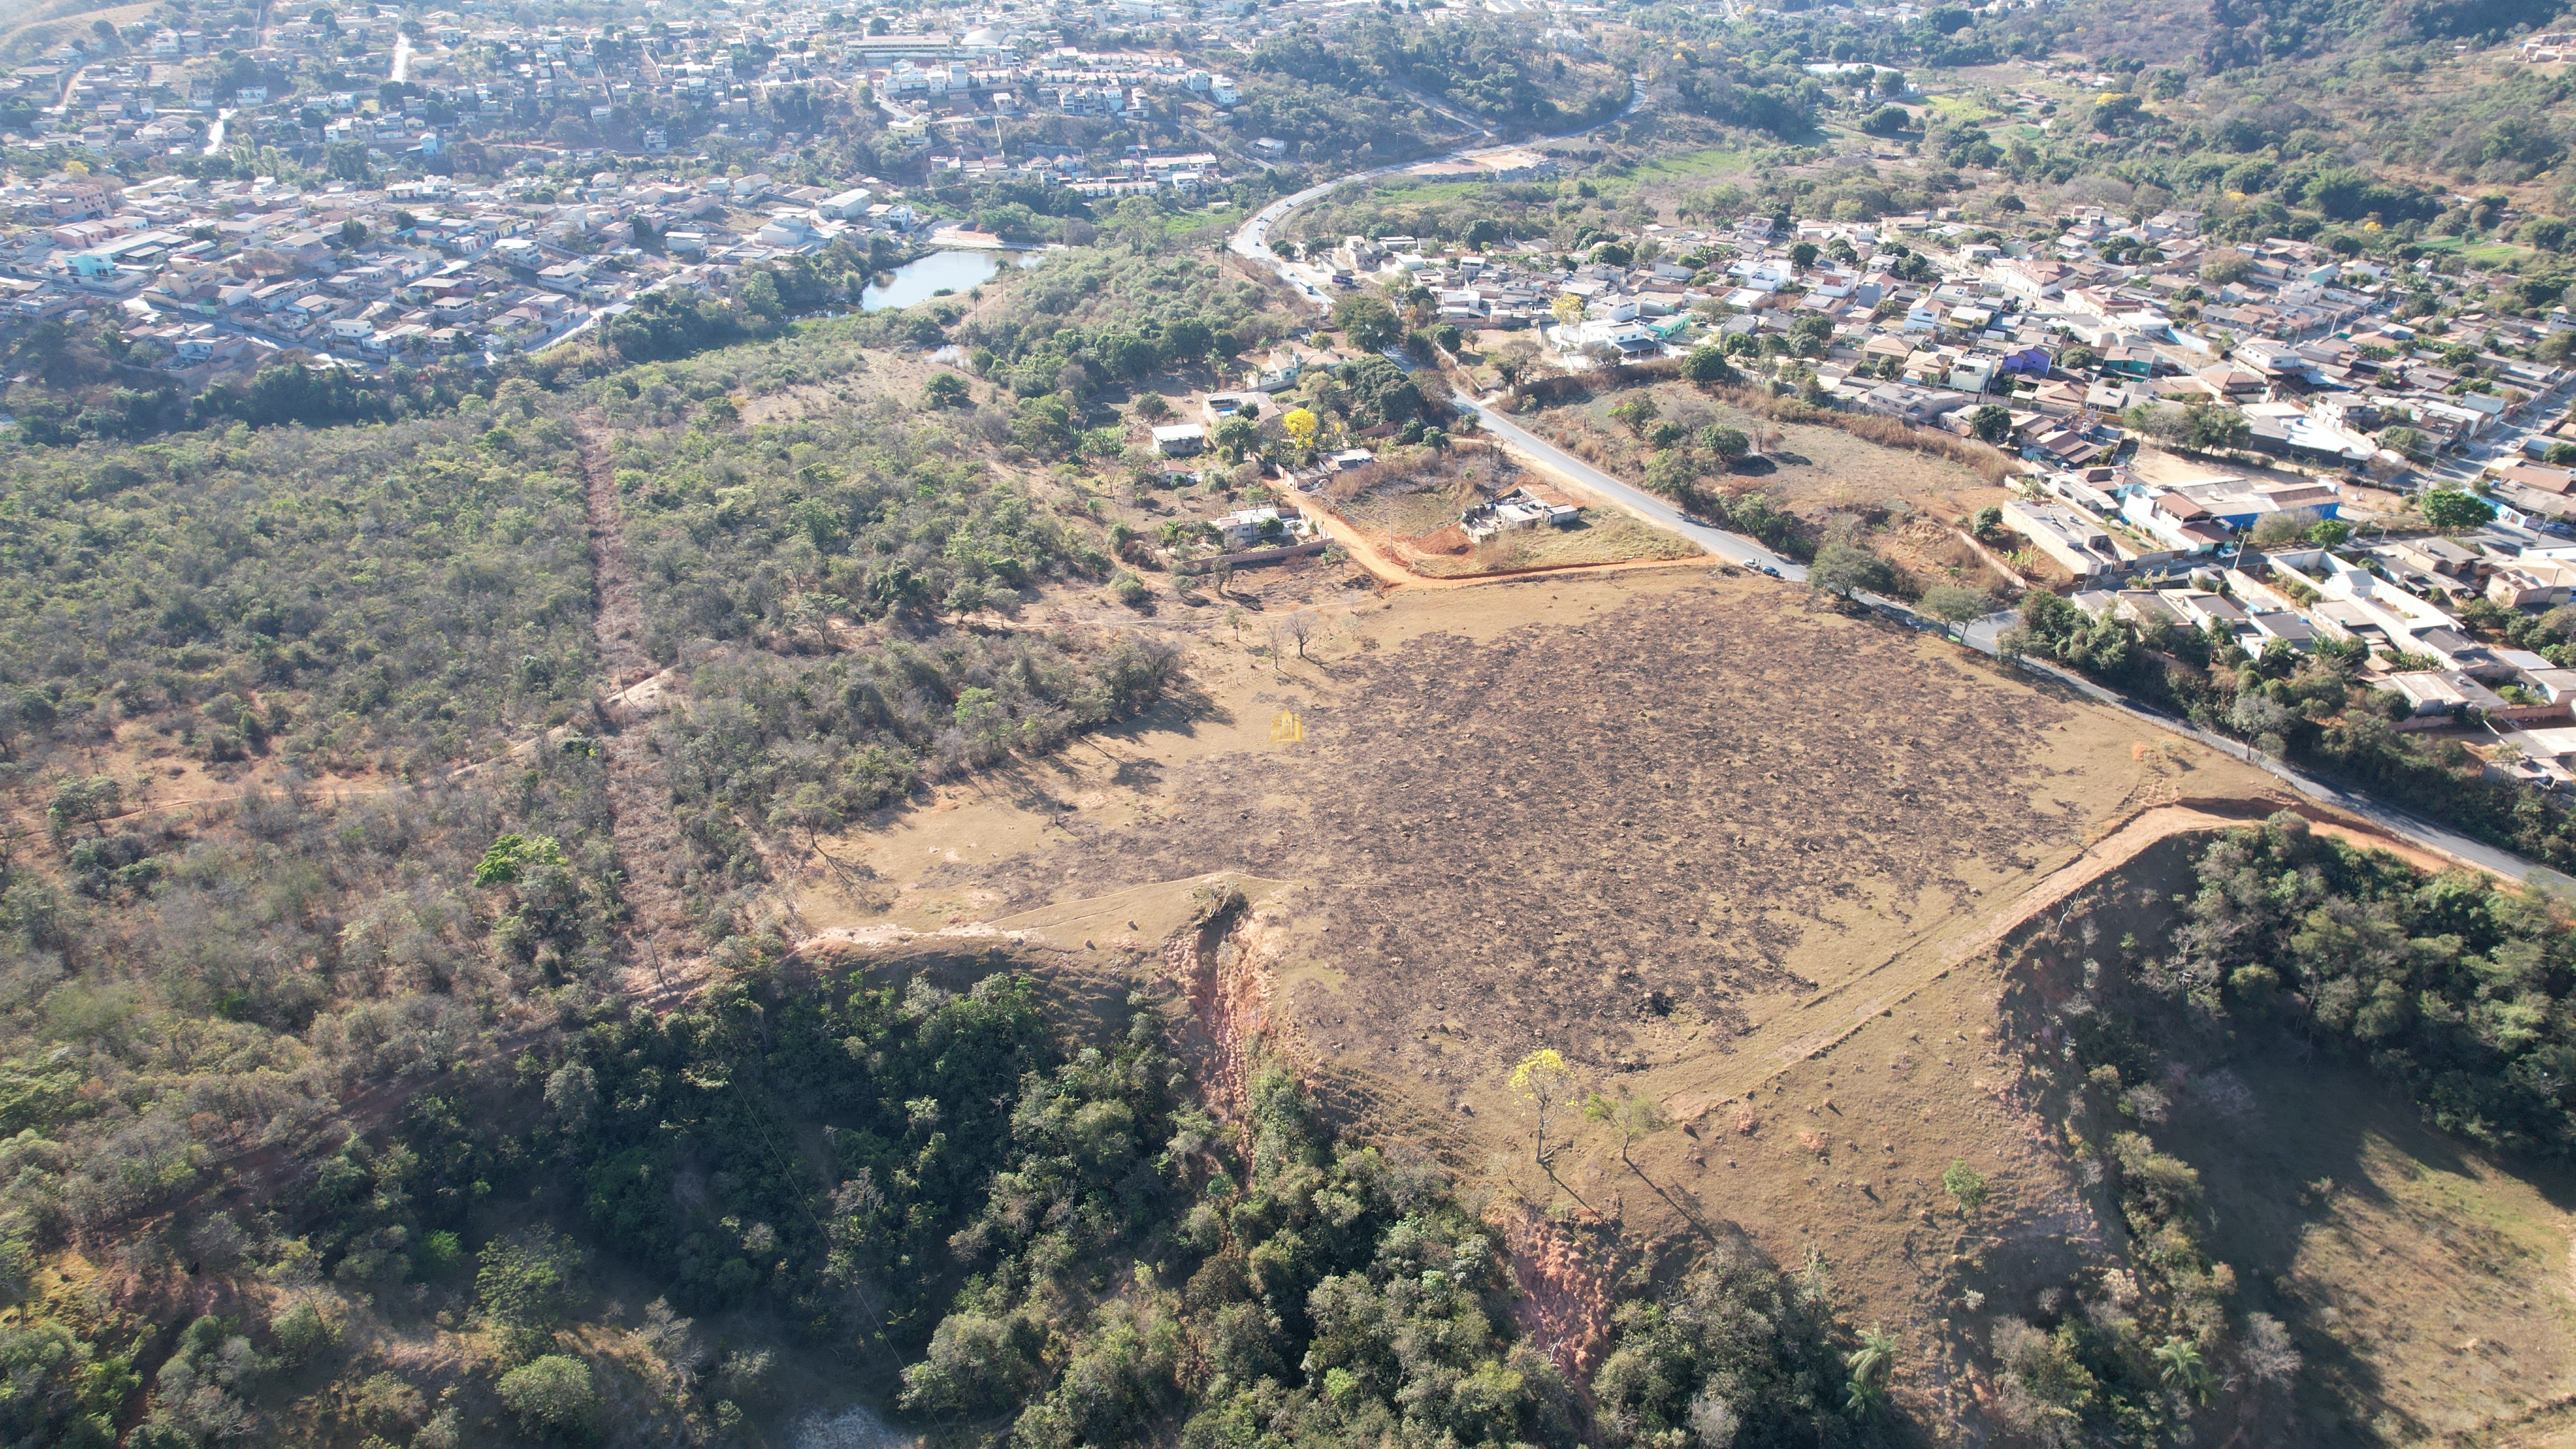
x=1567, y=832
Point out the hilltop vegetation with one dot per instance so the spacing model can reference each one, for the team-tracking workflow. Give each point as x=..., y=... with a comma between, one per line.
x=809, y=578
x=1370, y=93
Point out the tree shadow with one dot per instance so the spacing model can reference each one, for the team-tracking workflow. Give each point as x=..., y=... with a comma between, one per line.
x=1672, y=1202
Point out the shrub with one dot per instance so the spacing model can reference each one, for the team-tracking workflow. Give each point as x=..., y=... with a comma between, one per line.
x=303, y=1333
x=552, y=1394
x=1966, y=1186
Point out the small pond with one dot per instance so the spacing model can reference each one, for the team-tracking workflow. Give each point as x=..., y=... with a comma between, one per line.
x=923, y=278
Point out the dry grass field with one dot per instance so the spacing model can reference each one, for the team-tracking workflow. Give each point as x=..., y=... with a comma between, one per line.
x=1801, y=880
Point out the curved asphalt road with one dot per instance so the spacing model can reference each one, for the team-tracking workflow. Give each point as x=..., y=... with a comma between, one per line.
x=1252, y=241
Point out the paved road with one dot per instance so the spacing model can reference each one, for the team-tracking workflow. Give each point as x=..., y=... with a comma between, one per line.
x=1252, y=239
x=1733, y=547
x=1984, y=636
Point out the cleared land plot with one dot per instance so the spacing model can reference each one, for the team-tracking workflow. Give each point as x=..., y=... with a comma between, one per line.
x=1641, y=831
x=1414, y=519
x=1812, y=469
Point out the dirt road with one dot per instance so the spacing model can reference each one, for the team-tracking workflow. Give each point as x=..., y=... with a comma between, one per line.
x=1824, y=1020
x=661, y=944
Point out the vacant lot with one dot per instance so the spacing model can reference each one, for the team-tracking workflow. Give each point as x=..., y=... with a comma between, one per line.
x=1631, y=818
x=1811, y=469
x=1909, y=500
x=1409, y=511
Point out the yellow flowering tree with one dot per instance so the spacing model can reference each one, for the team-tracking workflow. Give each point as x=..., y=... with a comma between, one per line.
x=1545, y=1082
x=1300, y=425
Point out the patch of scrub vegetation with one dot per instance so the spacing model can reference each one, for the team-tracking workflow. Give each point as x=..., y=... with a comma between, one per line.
x=811, y=577
x=403, y=596
x=2454, y=989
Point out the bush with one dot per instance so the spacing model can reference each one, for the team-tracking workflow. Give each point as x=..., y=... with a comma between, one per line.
x=552, y=1394
x=1966, y=1186
x=440, y=1257
x=303, y=1334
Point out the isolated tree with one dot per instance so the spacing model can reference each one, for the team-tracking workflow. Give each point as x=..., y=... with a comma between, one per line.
x=1545, y=1082
x=1237, y=438
x=1803, y=255
x=2211, y=428
x=1301, y=627
x=1953, y=604
x=1567, y=309
x=1707, y=365
x=2278, y=528
x=1991, y=423
x=944, y=390
x=1674, y=474
x=1988, y=520
x=1966, y=1186
x=1630, y=1117
x=1843, y=569
x=1300, y=424
x=2180, y=1365
x=2451, y=510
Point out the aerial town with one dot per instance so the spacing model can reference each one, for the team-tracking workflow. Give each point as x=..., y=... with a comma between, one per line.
x=1281, y=724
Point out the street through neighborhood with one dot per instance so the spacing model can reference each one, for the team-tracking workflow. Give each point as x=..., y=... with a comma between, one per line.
x=1252, y=241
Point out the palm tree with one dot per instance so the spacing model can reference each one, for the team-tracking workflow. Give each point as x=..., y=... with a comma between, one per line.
x=1869, y=1364
x=2183, y=1370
